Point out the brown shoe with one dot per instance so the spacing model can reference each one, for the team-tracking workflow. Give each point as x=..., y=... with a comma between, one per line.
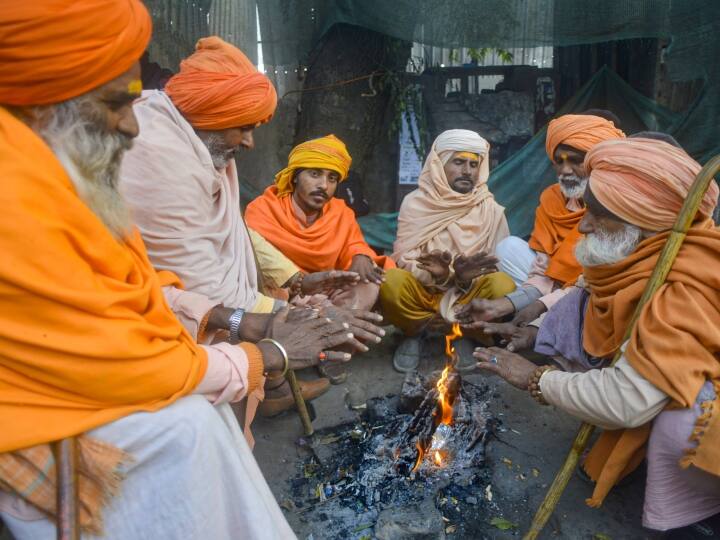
x=336, y=373
x=310, y=390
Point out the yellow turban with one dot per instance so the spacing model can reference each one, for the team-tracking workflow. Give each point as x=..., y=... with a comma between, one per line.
x=327, y=152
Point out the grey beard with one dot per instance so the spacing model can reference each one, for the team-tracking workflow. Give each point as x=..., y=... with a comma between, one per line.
x=573, y=192
x=601, y=248
x=219, y=152
x=91, y=156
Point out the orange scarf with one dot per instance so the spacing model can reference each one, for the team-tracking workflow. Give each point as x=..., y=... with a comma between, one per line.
x=556, y=234
x=86, y=336
x=328, y=244
x=674, y=345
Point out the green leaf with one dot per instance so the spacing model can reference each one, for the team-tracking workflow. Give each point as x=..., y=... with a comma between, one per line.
x=601, y=536
x=503, y=524
x=362, y=527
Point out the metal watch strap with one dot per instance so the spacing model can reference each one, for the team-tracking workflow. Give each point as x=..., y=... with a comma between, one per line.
x=235, y=320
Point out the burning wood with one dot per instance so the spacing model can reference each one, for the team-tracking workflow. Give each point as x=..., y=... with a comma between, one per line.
x=437, y=409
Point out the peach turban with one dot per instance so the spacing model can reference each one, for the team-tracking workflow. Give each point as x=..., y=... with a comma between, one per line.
x=55, y=50
x=327, y=152
x=645, y=181
x=581, y=131
x=219, y=88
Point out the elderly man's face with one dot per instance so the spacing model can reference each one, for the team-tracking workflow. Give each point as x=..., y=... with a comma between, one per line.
x=571, y=174
x=607, y=239
x=89, y=134
x=462, y=171
x=313, y=188
x=222, y=144
x=115, y=100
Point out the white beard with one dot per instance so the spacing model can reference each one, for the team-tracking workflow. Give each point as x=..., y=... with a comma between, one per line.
x=602, y=248
x=91, y=156
x=577, y=190
x=219, y=151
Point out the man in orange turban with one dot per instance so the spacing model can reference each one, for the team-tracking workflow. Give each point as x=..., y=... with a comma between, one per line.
x=544, y=266
x=661, y=400
x=88, y=344
x=189, y=213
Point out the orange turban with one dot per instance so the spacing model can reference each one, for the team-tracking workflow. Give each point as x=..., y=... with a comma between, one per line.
x=327, y=152
x=55, y=50
x=219, y=88
x=581, y=131
x=645, y=181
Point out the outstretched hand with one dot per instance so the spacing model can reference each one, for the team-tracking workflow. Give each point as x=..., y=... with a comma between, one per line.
x=481, y=309
x=529, y=313
x=305, y=340
x=510, y=366
x=436, y=263
x=517, y=338
x=328, y=282
x=368, y=271
x=469, y=268
x=363, y=324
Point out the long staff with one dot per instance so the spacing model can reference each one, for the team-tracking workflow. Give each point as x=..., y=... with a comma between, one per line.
x=660, y=273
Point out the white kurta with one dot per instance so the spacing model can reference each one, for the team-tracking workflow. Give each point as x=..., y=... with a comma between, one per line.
x=193, y=478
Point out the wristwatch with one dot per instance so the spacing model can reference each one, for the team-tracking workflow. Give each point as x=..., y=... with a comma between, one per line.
x=235, y=320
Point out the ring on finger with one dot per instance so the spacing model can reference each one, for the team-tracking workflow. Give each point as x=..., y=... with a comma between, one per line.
x=493, y=359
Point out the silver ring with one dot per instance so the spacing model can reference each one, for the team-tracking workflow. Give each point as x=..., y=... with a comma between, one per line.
x=493, y=359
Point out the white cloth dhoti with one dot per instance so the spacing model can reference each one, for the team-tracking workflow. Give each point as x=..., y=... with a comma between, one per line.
x=193, y=477
x=516, y=258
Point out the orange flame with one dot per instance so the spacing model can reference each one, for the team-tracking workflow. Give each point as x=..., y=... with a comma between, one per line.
x=421, y=454
x=449, y=349
x=446, y=407
x=438, y=458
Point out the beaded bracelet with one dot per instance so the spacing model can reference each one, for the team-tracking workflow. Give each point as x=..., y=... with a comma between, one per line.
x=534, y=384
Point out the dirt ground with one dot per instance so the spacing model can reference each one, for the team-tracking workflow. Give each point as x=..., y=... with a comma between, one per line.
x=532, y=446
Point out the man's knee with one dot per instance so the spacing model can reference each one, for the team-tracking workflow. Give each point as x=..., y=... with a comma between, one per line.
x=499, y=284
x=396, y=282
x=510, y=246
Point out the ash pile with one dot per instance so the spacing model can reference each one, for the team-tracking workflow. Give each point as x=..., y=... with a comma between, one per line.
x=413, y=468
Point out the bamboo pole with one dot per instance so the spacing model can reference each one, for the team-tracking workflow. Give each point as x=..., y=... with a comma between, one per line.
x=68, y=526
x=299, y=402
x=660, y=273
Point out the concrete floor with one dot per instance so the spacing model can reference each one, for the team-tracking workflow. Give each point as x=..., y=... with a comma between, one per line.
x=533, y=445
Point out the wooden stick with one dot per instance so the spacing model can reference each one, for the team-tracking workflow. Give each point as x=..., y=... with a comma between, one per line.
x=68, y=525
x=300, y=402
x=660, y=273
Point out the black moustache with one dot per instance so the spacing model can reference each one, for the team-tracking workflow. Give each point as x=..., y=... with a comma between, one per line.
x=321, y=193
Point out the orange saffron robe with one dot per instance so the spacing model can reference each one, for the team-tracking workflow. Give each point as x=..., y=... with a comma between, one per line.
x=556, y=233
x=86, y=336
x=675, y=345
x=330, y=243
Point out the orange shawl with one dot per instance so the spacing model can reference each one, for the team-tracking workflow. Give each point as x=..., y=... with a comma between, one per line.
x=86, y=336
x=555, y=233
x=328, y=244
x=674, y=344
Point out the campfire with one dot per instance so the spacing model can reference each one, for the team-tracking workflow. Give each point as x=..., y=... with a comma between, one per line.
x=421, y=451
x=447, y=389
